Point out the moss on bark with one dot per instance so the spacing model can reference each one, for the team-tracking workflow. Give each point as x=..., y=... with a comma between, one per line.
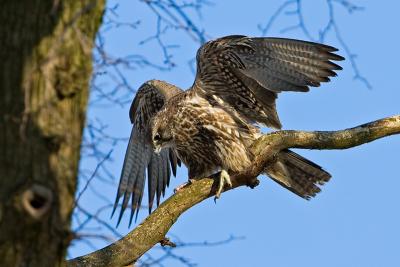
x=45, y=68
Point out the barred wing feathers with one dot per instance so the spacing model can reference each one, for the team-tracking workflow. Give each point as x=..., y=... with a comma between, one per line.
x=140, y=158
x=248, y=73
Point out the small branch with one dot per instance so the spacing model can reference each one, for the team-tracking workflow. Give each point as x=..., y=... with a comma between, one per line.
x=154, y=228
x=167, y=242
x=91, y=177
x=294, y=8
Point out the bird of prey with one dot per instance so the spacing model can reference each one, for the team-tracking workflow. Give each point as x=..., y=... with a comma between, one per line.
x=210, y=126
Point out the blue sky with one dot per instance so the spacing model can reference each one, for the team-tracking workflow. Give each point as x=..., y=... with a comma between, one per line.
x=355, y=220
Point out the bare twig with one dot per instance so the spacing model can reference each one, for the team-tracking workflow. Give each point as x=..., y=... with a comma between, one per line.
x=295, y=8
x=169, y=252
x=167, y=242
x=91, y=177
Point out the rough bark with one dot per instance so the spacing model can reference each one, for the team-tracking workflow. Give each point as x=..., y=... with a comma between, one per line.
x=154, y=228
x=45, y=67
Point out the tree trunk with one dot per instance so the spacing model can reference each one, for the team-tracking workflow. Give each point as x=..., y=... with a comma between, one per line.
x=45, y=68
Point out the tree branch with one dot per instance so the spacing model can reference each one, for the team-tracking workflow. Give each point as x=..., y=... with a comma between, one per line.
x=154, y=228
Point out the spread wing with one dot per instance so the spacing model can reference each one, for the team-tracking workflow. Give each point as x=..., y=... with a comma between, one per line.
x=140, y=158
x=248, y=73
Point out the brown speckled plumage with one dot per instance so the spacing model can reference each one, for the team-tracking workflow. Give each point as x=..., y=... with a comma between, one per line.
x=211, y=126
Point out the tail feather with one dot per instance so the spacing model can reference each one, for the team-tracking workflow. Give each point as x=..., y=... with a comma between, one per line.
x=297, y=174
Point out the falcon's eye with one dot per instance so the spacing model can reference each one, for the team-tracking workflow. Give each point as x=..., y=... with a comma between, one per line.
x=157, y=137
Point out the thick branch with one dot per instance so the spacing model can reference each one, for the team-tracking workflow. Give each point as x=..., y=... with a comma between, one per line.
x=154, y=228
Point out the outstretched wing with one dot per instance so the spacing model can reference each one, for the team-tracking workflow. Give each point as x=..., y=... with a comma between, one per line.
x=247, y=73
x=139, y=157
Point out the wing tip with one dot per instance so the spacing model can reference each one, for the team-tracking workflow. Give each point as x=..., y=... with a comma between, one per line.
x=336, y=57
x=120, y=217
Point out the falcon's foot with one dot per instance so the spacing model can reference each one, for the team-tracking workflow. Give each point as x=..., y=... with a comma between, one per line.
x=224, y=179
x=180, y=187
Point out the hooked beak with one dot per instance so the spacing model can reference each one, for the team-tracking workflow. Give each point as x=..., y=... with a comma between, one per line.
x=158, y=145
x=157, y=150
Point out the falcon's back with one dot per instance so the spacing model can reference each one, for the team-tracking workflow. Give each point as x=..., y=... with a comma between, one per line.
x=208, y=135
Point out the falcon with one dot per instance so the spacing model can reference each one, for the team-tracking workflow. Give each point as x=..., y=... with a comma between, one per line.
x=211, y=126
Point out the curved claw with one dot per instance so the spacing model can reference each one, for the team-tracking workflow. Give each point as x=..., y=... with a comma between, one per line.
x=224, y=179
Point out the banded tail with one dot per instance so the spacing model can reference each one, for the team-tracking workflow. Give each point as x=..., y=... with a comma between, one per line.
x=297, y=174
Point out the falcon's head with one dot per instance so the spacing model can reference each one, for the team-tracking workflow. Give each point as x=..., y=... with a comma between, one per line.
x=161, y=134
